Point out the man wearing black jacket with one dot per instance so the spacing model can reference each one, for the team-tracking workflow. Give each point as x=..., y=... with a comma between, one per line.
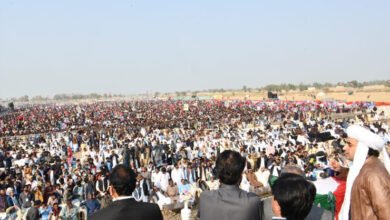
x=124, y=206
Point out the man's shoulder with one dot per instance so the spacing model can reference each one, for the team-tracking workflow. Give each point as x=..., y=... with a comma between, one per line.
x=101, y=214
x=151, y=206
x=145, y=207
x=319, y=213
x=32, y=210
x=252, y=195
x=373, y=167
x=119, y=209
x=208, y=194
x=213, y=194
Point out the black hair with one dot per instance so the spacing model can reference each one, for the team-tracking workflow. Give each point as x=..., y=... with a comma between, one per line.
x=229, y=167
x=123, y=180
x=295, y=196
x=372, y=152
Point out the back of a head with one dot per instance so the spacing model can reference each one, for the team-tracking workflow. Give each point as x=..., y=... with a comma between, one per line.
x=229, y=167
x=292, y=168
x=123, y=180
x=295, y=196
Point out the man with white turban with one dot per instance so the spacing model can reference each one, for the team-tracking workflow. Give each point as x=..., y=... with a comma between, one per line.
x=368, y=183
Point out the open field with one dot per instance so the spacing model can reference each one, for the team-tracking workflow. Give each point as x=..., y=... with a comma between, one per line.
x=376, y=96
x=368, y=93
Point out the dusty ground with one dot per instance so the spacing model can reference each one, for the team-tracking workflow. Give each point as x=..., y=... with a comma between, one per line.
x=376, y=96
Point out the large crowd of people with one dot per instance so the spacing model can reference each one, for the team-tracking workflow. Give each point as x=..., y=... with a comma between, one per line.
x=56, y=160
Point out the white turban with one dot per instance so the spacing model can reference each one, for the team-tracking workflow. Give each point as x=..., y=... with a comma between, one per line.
x=365, y=136
x=366, y=139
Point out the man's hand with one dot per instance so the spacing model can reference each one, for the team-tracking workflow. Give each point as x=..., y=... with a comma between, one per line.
x=334, y=165
x=341, y=172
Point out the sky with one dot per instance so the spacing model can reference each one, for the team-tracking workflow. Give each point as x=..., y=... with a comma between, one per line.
x=135, y=46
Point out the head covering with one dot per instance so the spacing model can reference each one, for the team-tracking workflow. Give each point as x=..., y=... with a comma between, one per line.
x=9, y=190
x=366, y=139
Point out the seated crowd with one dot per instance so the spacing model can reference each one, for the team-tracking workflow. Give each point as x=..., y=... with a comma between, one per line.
x=58, y=161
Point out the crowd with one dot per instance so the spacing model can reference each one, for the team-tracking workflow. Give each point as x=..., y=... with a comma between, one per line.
x=56, y=160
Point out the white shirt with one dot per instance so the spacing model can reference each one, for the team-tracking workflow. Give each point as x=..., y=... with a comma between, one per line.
x=175, y=174
x=156, y=177
x=164, y=178
x=263, y=176
x=245, y=185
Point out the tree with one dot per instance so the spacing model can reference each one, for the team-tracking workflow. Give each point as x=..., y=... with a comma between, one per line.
x=23, y=98
x=94, y=96
x=38, y=98
x=291, y=87
x=58, y=97
x=272, y=88
x=302, y=87
x=317, y=85
x=353, y=83
x=328, y=85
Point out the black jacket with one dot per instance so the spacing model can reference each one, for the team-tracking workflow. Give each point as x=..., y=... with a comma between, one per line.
x=129, y=209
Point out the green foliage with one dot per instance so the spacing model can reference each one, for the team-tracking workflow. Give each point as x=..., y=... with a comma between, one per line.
x=302, y=87
x=273, y=88
x=39, y=98
x=23, y=98
x=95, y=96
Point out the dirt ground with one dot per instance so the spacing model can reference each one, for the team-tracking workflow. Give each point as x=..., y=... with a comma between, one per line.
x=376, y=96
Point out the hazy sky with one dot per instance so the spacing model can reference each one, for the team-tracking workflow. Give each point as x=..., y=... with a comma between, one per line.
x=136, y=46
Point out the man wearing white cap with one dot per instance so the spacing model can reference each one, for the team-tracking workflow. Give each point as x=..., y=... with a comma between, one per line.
x=368, y=183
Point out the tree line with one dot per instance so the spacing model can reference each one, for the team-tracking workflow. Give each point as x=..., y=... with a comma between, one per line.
x=271, y=87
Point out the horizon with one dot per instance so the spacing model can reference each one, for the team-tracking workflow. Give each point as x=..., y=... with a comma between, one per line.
x=214, y=90
x=137, y=47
